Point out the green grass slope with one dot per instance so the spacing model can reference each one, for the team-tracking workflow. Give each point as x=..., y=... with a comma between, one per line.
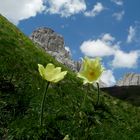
x=22, y=88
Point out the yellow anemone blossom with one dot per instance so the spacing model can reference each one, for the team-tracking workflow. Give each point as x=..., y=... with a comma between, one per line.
x=91, y=70
x=50, y=73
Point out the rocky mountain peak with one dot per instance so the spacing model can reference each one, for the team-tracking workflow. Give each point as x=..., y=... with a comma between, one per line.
x=129, y=79
x=49, y=40
x=53, y=44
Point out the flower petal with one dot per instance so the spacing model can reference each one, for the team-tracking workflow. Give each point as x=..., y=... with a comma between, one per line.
x=49, y=67
x=59, y=76
x=48, y=74
x=41, y=70
x=57, y=70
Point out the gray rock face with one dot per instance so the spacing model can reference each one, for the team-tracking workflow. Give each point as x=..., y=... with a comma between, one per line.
x=129, y=79
x=53, y=43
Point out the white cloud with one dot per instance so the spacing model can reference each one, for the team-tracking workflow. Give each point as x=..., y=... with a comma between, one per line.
x=65, y=8
x=125, y=60
x=118, y=2
x=95, y=11
x=17, y=10
x=95, y=48
x=107, y=38
x=67, y=49
x=134, y=33
x=100, y=47
x=131, y=34
x=105, y=46
x=108, y=78
x=118, y=16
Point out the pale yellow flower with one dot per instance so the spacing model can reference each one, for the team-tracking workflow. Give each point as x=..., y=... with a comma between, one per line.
x=91, y=70
x=50, y=73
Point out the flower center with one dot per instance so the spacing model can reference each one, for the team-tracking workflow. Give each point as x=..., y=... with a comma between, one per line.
x=91, y=73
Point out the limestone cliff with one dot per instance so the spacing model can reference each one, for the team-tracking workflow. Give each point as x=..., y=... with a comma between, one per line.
x=54, y=44
x=129, y=79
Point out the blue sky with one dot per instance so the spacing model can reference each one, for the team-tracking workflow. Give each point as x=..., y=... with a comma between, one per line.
x=109, y=29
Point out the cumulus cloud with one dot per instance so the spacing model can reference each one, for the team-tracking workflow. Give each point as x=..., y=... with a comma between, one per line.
x=95, y=11
x=65, y=8
x=107, y=38
x=131, y=34
x=100, y=47
x=95, y=48
x=17, y=10
x=108, y=78
x=118, y=2
x=126, y=60
x=118, y=16
x=67, y=48
x=134, y=33
x=105, y=46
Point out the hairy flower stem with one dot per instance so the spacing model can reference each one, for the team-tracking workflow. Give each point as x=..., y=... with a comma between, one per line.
x=83, y=103
x=98, y=91
x=85, y=96
x=42, y=103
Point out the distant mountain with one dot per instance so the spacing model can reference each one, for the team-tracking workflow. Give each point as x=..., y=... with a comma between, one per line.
x=129, y=79
x=129, y=93
x=128, y=88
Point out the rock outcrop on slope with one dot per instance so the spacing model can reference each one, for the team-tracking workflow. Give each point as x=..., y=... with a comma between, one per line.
x=54, y=44
x=129, y=79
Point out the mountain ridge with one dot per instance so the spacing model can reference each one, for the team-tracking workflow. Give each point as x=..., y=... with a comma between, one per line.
x=129, y=79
